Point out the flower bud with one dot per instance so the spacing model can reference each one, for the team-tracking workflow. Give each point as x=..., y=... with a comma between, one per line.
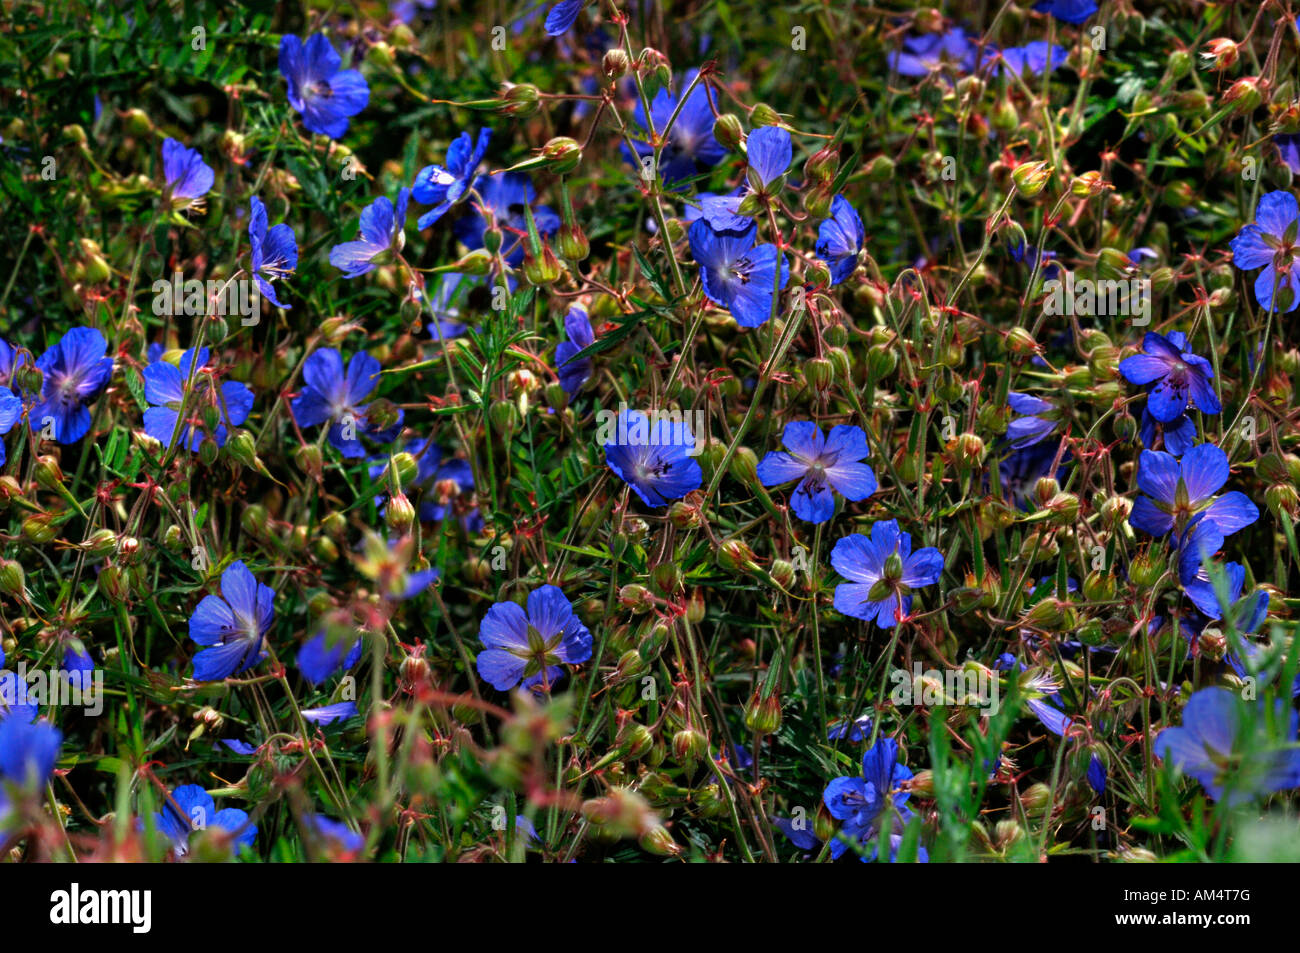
x=521, y=100
x=879, y=169
x=1030, y=178
x=13, y=582
x=562, y=154
x=635, y=597
x=763, y=715
x=615, y=63
x=573, y=243
x=764, y=115
x=728, y=131
x=544, y=269
x=1221, y=52
x=744, y=465
x=399, y=514
x=689, y=746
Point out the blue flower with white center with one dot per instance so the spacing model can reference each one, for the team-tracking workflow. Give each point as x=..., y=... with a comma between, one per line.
x=324, y=93
x=444, y=186
x=1180, y=376
x=189, y=810
x=864, y=805
x=382, y=237
x=186, y=177
x=1179, y=490
x=75, y=372
x=231, y=626
x=274, y=251
x=822, y=465
x=332, y=395
x=737, y=275
x=166, y=387
x=840, y=240
x=531, y=647
x=574, y=373
x=653, y=457
x=1225, y=749
x=1270, y=243
x=882, y=571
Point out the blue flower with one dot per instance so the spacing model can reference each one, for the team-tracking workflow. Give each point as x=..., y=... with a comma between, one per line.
x=1221, y=747
x=1269, y=243
x=859, y=729
x=326, y=95
x=16, y=701
x=653, y=458
x=691, y=142
x=191, y=809
x=1179, y=434
x=573, y=373
x=921, y=54
x=769, y=154
x=335, y=835
x=737, y=275
x=1180, y=376
x=439, y=481
x=28, y=751
x=274, y=251
x=1025, y=431
x=1288, y=147
x=382, y=237
x=442, y=187
x=882, y=571
x=864, y=804
x=186, y=176
x=531, y=646
x=1021, y=469
x=504, y=197
x=820, y=464
x=11, y=411
x=1176, y=491
x=562, y=16
x=1200, y=542
x=1067, y=11
x=321, y=656
x=167, y=388
x=1034, y=58
x=75, y=371
x=1096, y=775
x=840, y=239
x=445, y=303
x=329, y=714
x=231, y=626
x=11, y=361
x=333, y=396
